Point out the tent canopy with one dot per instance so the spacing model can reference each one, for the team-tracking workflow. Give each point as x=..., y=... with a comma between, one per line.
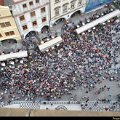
x=19, y=54
x=50, y=43
x=99, y=20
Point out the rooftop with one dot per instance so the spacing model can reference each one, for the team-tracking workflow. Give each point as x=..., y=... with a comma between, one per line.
x=28, y=112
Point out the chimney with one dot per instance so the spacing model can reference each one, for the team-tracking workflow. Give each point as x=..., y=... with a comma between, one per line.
x=2, y=2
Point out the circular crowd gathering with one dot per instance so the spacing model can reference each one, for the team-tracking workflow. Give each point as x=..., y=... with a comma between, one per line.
x=80, y=60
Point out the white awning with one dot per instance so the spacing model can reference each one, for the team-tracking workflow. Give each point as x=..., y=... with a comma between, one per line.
x=50, y=43
x=99, y=20
x=20, y=54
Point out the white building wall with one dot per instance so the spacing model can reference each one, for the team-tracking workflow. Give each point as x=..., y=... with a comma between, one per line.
x=18, y=24
x=48, y=14
x=69, y=11
x=38, y=18
x=19, y=11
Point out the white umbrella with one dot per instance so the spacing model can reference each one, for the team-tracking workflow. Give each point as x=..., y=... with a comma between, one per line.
x=3, y=64
x=78, y=26
x=89, y=30
x=12, y=62
x=48, y=39
x=111, y=9
x=21, y=61
x=47, y=50
x=83, y=33
x=12, y=99
x=2, y=69
x=83, y=23
x=53, y=37
x=55, y=97
x=102, y=14
x=42, y=42
x=52, y=47
x=88, y=20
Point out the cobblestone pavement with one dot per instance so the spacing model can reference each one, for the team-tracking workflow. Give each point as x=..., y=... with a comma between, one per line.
x=80, y=93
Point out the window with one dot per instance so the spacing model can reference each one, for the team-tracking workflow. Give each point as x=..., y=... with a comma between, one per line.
x=32, y=14
x=22, y=18
x=31, y=3
x=57, y=1
x=0, y=35
x=42, y=10
x=79, y=2
x=73, y=4
x=9, y=33
x=2, y=25
x=34, y=23
x=24, y=27
x=65, y=8
x=43, y=19
x=57, y=11
x=37, y=1
x=12, y=33
x=24, y=6
x=5, y=24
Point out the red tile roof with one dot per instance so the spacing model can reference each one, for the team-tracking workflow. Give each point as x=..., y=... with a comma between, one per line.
x=1, y=2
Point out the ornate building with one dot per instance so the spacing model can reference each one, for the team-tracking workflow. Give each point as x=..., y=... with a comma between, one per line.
x=65, y=8
x=31, y=16
x=8, y=28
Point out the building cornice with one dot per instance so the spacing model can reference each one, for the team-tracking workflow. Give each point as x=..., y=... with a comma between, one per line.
x=31, y=10
x=18, y=1
x=6, y=17
x=74, y=10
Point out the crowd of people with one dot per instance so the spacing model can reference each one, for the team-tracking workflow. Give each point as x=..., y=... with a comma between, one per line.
x=80, y=60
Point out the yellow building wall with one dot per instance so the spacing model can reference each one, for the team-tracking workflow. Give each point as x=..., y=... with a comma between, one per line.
x=5, y=16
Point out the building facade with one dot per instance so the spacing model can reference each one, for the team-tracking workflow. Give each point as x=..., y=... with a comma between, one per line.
x=2, y=2
x=8, y=28
x=92, y=4
x=31, y=15
x=65, y=8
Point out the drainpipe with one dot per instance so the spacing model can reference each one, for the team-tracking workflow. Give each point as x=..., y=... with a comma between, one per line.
x=49, y=12
x=15, y=21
